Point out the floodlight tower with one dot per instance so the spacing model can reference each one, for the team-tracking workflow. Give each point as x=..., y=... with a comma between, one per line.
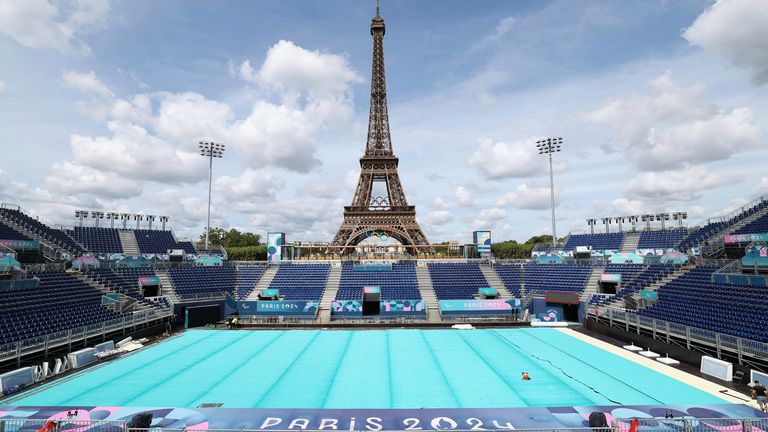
x=633, y=220
x=548, y=146
x=210, y=150
x=607, y=223
x=591, y=222
x=620, y=220
x=663, y=217
x=679, y=216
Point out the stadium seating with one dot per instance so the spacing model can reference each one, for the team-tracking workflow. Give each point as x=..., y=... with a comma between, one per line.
x=99, y=240
x=511, y=275
x=187, y=246
x=56, y=237
x=693, y=300
x=605, y=241
x=7, y=233
x=662, y=239
x=455, y=281
x=203, y=281
x=397, y=284
x=60, y=302
x=124, y=281
x=155, y=241
x=555, y=277
x=301, y=281
x=700, y=235
x=757, y=226
x=634, y=277
x=246, y=278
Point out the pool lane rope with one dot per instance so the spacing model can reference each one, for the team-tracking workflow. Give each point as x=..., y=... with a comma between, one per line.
x=557, y=367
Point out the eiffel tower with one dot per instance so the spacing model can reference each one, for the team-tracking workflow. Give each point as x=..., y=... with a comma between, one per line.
x=379, y=207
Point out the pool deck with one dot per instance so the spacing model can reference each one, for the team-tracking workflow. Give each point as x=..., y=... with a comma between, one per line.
x=670, y=371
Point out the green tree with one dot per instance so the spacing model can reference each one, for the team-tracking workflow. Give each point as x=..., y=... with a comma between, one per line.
x=229, y=239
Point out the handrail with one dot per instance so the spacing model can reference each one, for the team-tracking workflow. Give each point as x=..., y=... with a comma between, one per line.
x=730, y=342
x=37, y=343
x=754, y=203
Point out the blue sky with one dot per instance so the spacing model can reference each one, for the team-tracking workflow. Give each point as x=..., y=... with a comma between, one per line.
x=662, y=105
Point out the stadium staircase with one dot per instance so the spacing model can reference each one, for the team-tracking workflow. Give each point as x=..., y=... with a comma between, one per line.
x=495, y=281
x=128, y=304
x=633, y=301
x=329, y=293
x=264, y=282
x=129, y=244
x=590, y=288
x=631, y=240
x=427, y=292
x=166, y=285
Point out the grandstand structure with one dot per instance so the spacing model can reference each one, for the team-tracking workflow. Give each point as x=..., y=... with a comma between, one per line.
x=690, y=291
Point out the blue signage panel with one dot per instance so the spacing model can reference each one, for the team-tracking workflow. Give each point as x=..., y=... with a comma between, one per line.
x=294, y=308
x=477, y=307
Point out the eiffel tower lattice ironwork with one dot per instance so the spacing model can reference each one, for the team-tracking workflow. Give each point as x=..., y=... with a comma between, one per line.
x=379, y=207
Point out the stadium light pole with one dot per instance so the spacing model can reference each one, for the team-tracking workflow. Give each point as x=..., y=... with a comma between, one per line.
x=210, y=150
x=548, y=146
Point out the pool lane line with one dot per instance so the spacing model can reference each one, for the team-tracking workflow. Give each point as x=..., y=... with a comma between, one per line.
x=549, y=370
x=336, y=370
x=492, y=369
x=389, y=372
x=287, y=368
x=439, y=368
x=593, y=367
x=142, y=366
x=243, y=339
x=558, y=367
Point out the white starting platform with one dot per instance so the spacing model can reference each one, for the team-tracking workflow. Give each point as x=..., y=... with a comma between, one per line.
x=648, y=354
x=632, y=347
x=668, y=361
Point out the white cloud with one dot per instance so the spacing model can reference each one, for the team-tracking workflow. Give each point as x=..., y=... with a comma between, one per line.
x=678, y=185
x=530, y=197
x=670, y=127
x=247, y=72
x=249, y=185
x=77, y=179
x=293, y=70
x=87, y=83
x=41, y=24
x=737, y=30
x=463, y=197
x=134, y=153
x=488, y=218
x=190, y=117
x=498, y=160
x=3, y=87
x=278, y=135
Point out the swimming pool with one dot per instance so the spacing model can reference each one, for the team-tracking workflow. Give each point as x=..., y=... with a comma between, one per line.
x=369, y=369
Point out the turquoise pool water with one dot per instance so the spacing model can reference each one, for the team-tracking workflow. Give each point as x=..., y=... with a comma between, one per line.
x=369, y=369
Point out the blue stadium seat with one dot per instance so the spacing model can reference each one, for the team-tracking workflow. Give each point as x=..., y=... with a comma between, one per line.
x=400, y=283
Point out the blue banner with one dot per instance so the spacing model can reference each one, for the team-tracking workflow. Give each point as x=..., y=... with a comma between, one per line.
x=20, y=244
x=294, y=308
x=415, y=308
x=351, y=308
x=479, y=307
